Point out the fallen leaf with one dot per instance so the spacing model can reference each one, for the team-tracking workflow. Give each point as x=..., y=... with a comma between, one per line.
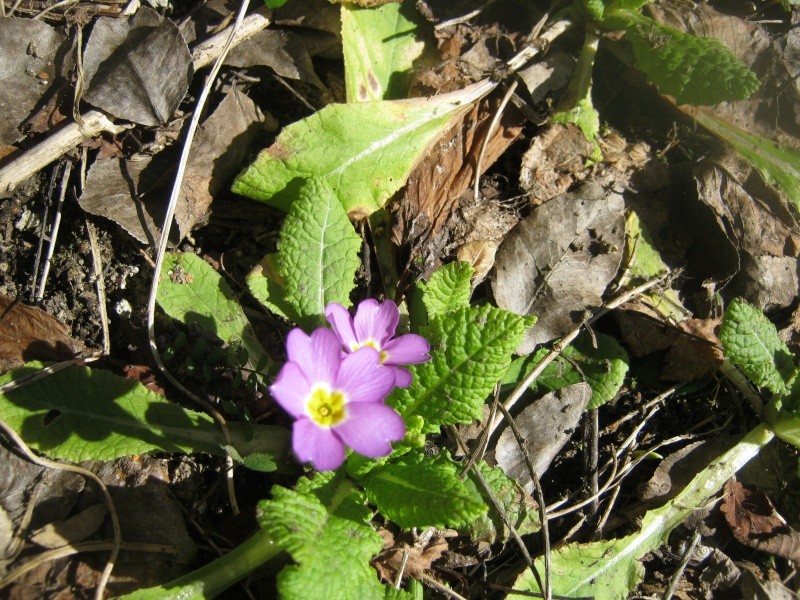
x=409, y=552
x=33, y=55
x=755, y=588
x=546, y=425
x=222, y=144
x=75, y=529
x=755, y=523
x=137, y=68
x=28, y=333
x=113, y=190
x=557, y=262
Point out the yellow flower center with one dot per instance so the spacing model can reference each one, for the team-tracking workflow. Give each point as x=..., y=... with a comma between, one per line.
x=374, y=345
x=327, y=407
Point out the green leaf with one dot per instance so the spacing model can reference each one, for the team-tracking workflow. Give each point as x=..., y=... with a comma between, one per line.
x=470, y=350
x=778, y=165
x=81, y=414
x=518, y=505
x=423, y=491
x=603, y=368
x=646, y=264
x=611, y=569
x=267, y=287
x=751, y=343
x=317, y=252
x=327, y=533
x=381, y=47
x=275, y=3
x=626, y=4
x=448, y=288
x=365, y=150
x=694, y=70
x=192, y=292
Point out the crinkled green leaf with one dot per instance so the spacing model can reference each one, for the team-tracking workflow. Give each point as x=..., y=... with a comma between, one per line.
x=611, y=569
x=192, y=292
x=381, y=47
x=603, y=368
x=80, y=414
x=751, y=343
x=778, y=165
x=470, y=350
x=694, y=70
x=448, y=288
x=317, y=252
x=626, y=4
x=594, y=8
x=364, y=150
x=327, y=533
x=423, y=491
x=518, y=505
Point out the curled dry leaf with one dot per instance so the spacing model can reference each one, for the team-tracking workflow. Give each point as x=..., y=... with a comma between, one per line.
x=557, y=262
x=755, y=523
x=137, y=68
x=77, y=528
x=28, y=333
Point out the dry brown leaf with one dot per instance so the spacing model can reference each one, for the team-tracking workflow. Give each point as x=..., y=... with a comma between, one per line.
x=422, y=551
x=692, y=347
x=754, y=522
x=28, y=333
x=436, y=185
x=76, y=529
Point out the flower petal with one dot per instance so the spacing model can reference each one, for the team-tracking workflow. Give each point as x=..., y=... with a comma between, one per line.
x=341, y=321
x=321, y=362
x=290, y=389
x=317, y=445
x=374, y=321
x=362, y=377
x=402, y=377
x=407, y=349
x=370, y=428
x=298, y=346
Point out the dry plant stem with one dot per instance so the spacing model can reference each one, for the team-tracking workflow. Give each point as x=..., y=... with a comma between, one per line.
x=498, y=114
x=207, y=51
x=43, y=229
x=537, y=486
x=45, y=372
x=162, y=248
x=657, y=400
x=53, y=7
x=601, y=524
x=112, y=510
x=54, y=231
x=13, y=8
x=687, y=555
x=565, y=341
x=590, y=436
x=442, y=588
x=54, y=146
x=97, y=268
x=94, y=546
x=499, y=508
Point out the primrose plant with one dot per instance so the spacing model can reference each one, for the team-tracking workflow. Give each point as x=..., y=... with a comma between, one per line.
x=335, y=385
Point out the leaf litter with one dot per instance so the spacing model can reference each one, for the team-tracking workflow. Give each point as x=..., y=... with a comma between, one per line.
x=548, y=228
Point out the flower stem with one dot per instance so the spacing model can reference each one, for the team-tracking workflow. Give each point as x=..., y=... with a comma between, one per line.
x=218, y=575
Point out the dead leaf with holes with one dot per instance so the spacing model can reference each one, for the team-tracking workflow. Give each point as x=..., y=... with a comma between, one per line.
x=557, y=263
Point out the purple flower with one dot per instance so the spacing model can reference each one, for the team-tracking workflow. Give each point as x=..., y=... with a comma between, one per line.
x=337, y=400
x=374, y=327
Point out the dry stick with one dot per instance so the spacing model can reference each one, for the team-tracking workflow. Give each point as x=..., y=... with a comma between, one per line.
x=53, y=7
x=566, y=340
x=43, y=229
x=687, y=555
x=94, y=546
x=442, y=588
x=14, y=8
x=112, y=511
x=537, y=486
x=54, y=232
x=499, y=508
x=162, y=248
x=590, y=427
x=93, y=123
x=44, y=372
